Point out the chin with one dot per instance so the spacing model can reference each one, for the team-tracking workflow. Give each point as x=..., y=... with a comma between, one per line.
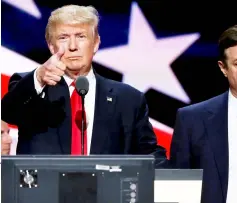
x=75, y=66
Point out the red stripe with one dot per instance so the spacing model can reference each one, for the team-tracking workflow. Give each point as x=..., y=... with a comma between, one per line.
x=4, y=84
x=164, y=139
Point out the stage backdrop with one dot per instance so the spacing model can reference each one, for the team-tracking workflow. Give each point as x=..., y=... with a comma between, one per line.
x=166, y=49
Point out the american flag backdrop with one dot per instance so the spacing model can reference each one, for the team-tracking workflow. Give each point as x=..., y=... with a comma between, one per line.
x=166, y=49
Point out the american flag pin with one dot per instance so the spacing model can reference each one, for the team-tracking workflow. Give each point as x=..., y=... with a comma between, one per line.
x=109, y=99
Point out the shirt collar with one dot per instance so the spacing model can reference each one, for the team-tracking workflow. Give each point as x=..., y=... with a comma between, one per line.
x=232, y=102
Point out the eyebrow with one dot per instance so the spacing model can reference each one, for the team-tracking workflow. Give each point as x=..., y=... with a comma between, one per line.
x=66, y=33
x=62, y=34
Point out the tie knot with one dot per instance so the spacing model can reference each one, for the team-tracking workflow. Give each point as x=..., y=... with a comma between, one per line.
x=73, y=84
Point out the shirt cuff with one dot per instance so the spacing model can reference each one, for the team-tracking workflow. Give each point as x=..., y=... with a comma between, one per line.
x=38, y=87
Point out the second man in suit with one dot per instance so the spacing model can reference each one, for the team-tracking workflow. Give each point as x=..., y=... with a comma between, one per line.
x=205, y=134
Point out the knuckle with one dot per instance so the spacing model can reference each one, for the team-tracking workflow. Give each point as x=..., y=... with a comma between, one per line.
x=61, y=73
x=48, y=74
x=64, y=67
x=52, y=83
x=44, y=78
x=58, y=78
x=48, y=68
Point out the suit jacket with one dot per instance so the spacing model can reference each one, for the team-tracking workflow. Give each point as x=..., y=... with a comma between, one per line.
x=200, y=141
x=44, y=124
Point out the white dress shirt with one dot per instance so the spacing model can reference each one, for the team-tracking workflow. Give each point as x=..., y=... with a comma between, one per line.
x=89, y=101
x=232, y=137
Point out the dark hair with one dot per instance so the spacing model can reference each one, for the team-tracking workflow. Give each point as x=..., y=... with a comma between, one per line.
x=227, y=39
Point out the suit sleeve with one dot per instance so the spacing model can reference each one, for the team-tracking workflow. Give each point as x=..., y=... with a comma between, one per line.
x=21, y=91
x=146, y=138
x=180, y=145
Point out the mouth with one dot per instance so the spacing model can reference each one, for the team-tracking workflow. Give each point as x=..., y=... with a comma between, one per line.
x=74, y=57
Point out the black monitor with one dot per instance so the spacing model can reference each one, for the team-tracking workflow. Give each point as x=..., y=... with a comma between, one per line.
x=78, y=179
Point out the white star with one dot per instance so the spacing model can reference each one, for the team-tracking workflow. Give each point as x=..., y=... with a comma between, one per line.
x=145, y=60
x=17, y=63
x=26, y=5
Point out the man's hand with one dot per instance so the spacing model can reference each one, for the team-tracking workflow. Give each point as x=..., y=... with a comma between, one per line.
x=52, y=70
x=6, y=144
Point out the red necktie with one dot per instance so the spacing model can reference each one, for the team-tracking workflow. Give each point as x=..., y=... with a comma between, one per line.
x=76, y=107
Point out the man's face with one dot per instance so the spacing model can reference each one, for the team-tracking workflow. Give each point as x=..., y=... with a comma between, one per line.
x=4, y=129
x=229, y=68
x=79, y=44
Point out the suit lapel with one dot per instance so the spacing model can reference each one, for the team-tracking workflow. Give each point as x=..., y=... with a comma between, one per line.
x=105, y=101
x=59, y=96
x=217, y=128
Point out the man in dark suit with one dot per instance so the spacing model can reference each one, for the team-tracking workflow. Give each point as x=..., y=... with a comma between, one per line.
x=205, y=134
x=39, y=102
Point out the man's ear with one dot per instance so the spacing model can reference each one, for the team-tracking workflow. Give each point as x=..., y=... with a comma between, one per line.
x=223, y=68
x=97, y=44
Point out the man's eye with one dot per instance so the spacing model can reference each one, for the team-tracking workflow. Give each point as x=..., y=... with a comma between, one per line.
x=81, y=36
x=62, y=37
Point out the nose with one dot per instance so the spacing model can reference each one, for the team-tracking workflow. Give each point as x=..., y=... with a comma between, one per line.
x=72, y=44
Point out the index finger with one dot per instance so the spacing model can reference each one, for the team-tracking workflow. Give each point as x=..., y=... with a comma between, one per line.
x=60, y=52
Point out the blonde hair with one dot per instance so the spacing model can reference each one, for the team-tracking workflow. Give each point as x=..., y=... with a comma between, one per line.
x=72, y=14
